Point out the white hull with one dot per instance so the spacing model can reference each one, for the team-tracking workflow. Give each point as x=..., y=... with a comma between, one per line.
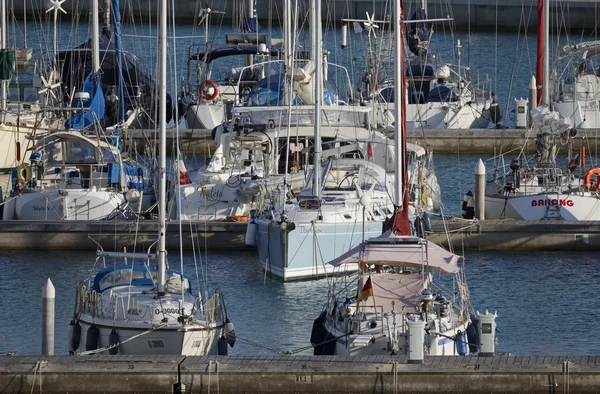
x=304, y=252
x=572, y=206
x=436, y=345
x=205, y=116
x=10, y=136
x=63, y=204
x=446, y=116
x=187, y=342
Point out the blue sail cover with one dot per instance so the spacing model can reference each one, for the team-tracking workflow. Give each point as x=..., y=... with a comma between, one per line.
x=270, y=91
x=95, y=104
x=417, y=34
x=117, y=30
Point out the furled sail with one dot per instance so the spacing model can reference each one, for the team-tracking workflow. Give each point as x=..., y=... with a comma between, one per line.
x=418, y=34
x=95, y=104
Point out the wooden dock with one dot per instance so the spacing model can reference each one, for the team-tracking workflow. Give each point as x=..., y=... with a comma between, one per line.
x=298, y=374
x=115, y=235
x=519, y=235
x=465, y=141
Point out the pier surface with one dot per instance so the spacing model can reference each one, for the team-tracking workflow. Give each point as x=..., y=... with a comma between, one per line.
x=298, y=374
x=476, y=14
x=115, y=235
x=519, y=235
x=459, y=141
x=490, y=235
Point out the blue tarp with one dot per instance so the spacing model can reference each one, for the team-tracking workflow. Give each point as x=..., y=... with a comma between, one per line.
x=95, y=104
x=114, y=171
x=134, y=177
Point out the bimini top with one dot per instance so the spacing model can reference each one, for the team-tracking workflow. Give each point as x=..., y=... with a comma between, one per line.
x=217, y=53
x=125, y=275
x=401, y=251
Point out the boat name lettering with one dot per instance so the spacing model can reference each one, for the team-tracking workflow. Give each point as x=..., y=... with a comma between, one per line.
x=38, y=208
x=168, y=310
x=550, y=202
x=196, y=344
x=154, y=344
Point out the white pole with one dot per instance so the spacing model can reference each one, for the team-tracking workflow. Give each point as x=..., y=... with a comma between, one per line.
x=287, y=34
x=532, y=98
x=95, y=39
x=398, y=92
x=3, y=87
x=480, y=190
x=162, y=149
x=48, y=297
x=546, y=82
x=318, y=97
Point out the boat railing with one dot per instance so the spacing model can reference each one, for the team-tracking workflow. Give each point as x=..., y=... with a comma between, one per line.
x=369, y=310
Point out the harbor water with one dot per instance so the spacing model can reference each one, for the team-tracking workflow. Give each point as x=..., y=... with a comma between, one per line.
x=545, y=301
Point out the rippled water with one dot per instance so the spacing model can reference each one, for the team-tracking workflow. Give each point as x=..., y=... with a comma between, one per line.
x=546, y=302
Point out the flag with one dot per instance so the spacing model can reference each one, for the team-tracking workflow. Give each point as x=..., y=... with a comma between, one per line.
x=366, y=292
x=184, y=178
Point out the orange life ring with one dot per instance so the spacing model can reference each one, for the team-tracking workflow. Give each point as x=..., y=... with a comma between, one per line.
x=202, y=89
x=588, y=178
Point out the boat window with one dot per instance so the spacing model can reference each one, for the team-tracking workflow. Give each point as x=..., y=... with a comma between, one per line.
x=79, y=152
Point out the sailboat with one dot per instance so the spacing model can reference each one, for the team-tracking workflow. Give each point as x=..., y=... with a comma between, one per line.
x=398, y=308
x=439, y=95
x=142, y=307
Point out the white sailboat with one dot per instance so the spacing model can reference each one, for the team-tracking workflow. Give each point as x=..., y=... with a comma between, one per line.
x=142, y=307
x=411, y=314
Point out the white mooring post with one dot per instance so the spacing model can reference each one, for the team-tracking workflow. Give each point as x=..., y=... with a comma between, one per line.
x=48, y=297
x=487, y=333
x=480, y=191
x=416, y=341
x=532, y=98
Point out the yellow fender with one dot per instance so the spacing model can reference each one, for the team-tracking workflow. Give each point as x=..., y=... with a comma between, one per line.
x=24, y=172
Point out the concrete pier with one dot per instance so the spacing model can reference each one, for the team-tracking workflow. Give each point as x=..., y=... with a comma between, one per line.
x=83, y=235
x=462, y=141
x=299, y=374
x=480, y=14
x=519, y=235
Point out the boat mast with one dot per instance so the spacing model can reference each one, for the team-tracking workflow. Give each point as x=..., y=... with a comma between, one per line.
x=400, y=224
x=317, y=55
x=119, y=54
x=543, y=60
x=3, y=86
x=162, y=149
x=546, y=84
x=95, y=40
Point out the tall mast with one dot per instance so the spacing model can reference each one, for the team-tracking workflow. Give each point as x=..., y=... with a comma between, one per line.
x=95, y=40
x=3, y=95
x=162, y=149
x=401, y=225
x=546, y=84
x=540, y=64
x=318, y=53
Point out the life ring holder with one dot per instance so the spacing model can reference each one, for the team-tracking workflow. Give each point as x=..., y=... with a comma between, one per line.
x=588, y=178
x=206, y=84
x=24, y=173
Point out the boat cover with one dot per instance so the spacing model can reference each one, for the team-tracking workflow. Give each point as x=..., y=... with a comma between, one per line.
x=401, y=251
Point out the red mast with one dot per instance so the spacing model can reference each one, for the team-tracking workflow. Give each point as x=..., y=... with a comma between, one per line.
x=539, y=70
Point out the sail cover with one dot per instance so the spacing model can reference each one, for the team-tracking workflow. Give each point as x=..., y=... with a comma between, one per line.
x=402, y=251
x=418, y=34
x=95, y=104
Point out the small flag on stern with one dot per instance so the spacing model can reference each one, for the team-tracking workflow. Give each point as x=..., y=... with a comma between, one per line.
x=367, y=291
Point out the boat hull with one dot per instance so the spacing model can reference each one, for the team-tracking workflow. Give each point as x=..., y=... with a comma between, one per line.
x=193, y=341
x=573, y=206
x=304, y=252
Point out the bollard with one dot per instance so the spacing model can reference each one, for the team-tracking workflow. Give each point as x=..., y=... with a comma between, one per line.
x=480, y=191
x=487, y=333
x=532, y=98
x=48, y=297
x=416, y=341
